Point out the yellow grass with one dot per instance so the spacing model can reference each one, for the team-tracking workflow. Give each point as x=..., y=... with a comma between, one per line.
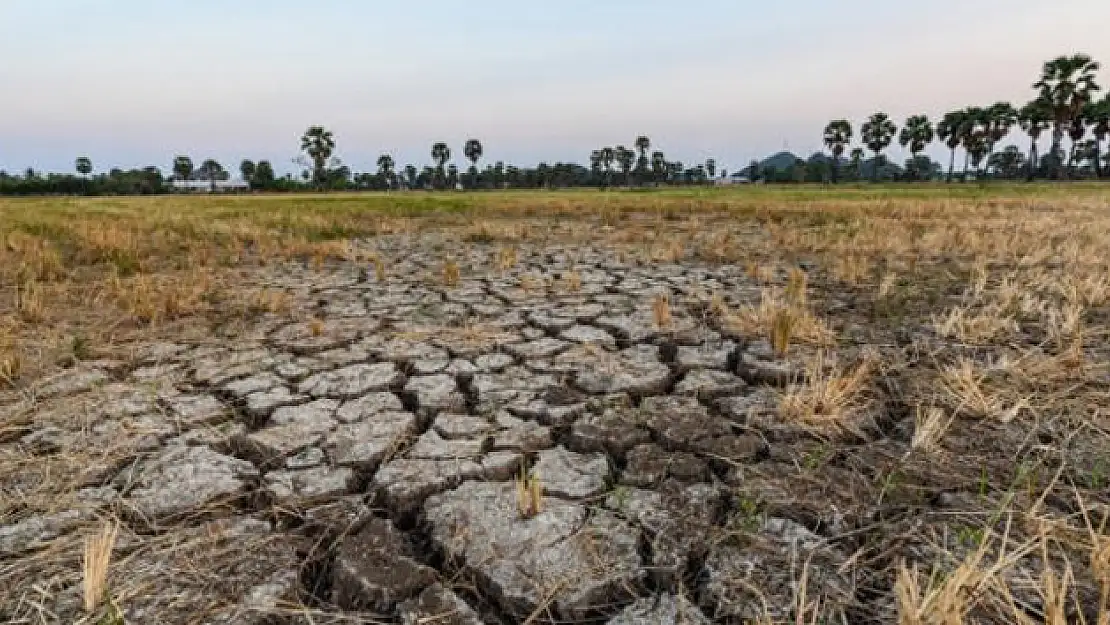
x=98, y=557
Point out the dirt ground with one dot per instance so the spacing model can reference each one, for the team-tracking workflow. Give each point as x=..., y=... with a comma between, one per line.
x=789, y=405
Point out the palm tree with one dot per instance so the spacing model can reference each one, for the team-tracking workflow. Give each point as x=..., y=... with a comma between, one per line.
x=838, y=134
x=950, y=131
x=1035, y=117
x=643, y=144
x=1067, y=84
x=1077, y=129
x=973, y=134
x=1099, y=114
x=247, y=169
x=385, y=169
x=1000, y=118
x=84, y=166
x=607, y=156
x=624, y=158
x=440, y=154
x=877, y=133
x=917, y=134
x=857, y=162
x=319, y=144
x=410, y=175
x=711, y=167
x=473, y=151
x=658, y=166
x=183, y=167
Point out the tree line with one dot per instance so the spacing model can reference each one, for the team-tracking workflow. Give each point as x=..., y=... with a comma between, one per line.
x=1065, y=105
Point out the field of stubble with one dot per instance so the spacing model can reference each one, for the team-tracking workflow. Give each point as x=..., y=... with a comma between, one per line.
x=772, y=405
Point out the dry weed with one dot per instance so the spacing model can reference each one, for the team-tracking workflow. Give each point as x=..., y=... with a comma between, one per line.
x=661, y=311
x=529, y=493
x=930, y=426
x=98, y=557
x=829, y=398
x=451, y=273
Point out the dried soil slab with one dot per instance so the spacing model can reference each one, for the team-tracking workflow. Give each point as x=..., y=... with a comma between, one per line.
x=677, y=519
x=291, y=429
x=581, y=562
x=661, y=610
x=740, y=580
x=374, y=569
x=438, y=605
x=569, y=475
x=365, y=444
x=636, y=370
x=308, y=486
x=435, y=393
x=404, y=484
x=183, y=480
x=354, y=381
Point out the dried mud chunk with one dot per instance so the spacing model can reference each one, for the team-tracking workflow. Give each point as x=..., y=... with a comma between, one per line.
x=579, y=562
x=661, y=610
x=184, y=480
x=374, y=569
x=438, y=605
x=614, y=432
x=572, y=476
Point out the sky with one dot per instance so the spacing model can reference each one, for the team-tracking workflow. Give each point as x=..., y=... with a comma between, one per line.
x=131, y=83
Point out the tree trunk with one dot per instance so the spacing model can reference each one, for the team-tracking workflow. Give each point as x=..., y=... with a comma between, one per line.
x=967, y=160
x=836, y=168
x=951, y=164
x=1057, y=139
x=1098, y=158
x=1032, y=173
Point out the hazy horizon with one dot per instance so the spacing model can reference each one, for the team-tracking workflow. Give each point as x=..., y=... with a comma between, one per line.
x=131, y=85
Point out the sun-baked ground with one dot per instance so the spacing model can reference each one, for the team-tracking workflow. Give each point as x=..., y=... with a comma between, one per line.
x=769, y=405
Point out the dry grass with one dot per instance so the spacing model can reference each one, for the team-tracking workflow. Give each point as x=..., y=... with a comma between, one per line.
x=991, y=331
x=451, y=273
x=661, y=311
x=529, y=493
x=98, y=557
x=830, y=399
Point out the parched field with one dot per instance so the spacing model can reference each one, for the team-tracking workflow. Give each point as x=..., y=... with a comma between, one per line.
x=767, y=405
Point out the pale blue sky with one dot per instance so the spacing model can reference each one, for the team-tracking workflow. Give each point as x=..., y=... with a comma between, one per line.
x=132, y=82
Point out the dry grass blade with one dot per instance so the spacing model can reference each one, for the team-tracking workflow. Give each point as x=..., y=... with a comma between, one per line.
x=930, y=425
x=782, y=329
x=451, y=273
x=661, y=311
x=98, y=557
x=829, y=398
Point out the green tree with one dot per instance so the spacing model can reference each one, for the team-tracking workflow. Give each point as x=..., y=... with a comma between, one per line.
x=838, y=135
x=1009, y=163
x=643, y=145
x=264, y=176
x=183, y=168
x=1067, y=84
x=319, y=144
x=607, y=157
x=1099, y=116
x=247, y=170
x=1000, y=117
x=473, y=152
x=857, y=162
x=212, y=171
x=84, y=165
x=877, y=133
x=440, y=155
x=385, y=170
x=950, y=131
x=711, y=167
x=658, y=166
x=1034, y=118
x=625, y=158
x=917, y=134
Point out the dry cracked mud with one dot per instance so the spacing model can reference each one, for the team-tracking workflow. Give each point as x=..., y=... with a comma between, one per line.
x=359, y=463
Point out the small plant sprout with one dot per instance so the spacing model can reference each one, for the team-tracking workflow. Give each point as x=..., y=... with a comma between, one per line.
x=782, y=330
x=796, y=288
x=661, y=311
x=529, y=493
x=98, y=555
x=451, y=273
